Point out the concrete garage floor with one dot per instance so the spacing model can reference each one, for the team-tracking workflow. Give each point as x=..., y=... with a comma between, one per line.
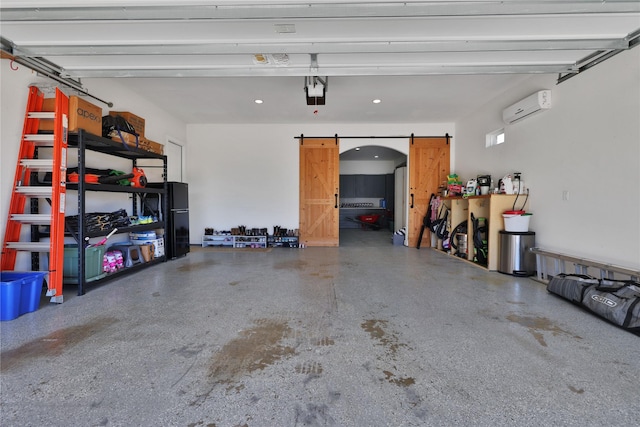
x=368, y=334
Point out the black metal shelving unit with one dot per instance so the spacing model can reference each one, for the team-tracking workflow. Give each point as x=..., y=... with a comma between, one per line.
x=84, y=142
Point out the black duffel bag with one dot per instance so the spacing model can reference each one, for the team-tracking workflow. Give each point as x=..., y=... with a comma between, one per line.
x=117, y=125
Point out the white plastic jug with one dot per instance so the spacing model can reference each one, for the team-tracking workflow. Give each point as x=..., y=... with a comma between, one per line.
x=506, y=185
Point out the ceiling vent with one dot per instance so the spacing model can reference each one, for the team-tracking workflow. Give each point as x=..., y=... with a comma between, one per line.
x=528, y=106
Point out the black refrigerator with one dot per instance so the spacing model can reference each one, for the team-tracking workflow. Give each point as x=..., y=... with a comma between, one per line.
x=176, y=234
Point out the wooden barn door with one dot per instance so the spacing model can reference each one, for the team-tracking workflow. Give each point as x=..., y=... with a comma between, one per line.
x=428, y=168
x=319, y=191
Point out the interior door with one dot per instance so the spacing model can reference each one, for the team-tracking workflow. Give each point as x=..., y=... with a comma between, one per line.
x=175, y=161
x=319, y=191
x=428, y=168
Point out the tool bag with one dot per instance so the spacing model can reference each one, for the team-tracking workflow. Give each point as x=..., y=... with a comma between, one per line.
x=440, y=226
x=99, y=221
x=571, y=286
x=616, y=301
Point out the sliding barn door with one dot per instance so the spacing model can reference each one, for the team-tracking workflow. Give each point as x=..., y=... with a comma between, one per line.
x=428, y=168
x=319, y=191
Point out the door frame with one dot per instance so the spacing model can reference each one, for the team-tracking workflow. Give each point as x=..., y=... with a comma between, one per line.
x=376, y=143
x=177, y=145
x=401, y=144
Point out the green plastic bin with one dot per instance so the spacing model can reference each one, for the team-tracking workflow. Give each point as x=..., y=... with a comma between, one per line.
x=93, y=257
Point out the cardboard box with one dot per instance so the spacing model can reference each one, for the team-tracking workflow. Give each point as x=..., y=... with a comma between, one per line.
x=129, y=139
x=136, y=121
x=158, y=245
x=152, y=146
x=82, y=115
x=143, y=143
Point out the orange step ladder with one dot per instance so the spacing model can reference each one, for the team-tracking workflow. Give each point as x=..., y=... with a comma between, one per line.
x=15, y=240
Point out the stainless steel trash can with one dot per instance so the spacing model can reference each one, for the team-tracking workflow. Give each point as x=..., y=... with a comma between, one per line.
x=514, y=255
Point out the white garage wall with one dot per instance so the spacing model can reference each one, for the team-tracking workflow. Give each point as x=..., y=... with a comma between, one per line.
x=159, y=125
x=588, y=144
x=249, y=175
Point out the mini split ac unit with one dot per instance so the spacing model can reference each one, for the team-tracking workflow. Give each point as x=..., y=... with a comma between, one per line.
x=532, y=104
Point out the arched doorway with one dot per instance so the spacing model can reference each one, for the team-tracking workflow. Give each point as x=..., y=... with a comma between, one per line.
x=372, y=201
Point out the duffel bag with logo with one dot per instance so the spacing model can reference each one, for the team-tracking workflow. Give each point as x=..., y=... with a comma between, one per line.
x=616, y=301
x=571, y=286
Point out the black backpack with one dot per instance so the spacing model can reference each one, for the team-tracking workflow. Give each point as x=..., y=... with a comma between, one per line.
x=115, y=125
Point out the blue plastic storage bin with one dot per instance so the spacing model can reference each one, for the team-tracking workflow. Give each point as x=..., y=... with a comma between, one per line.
x=20, y=292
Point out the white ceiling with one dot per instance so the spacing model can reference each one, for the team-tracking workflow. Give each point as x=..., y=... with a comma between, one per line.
x=427, y=61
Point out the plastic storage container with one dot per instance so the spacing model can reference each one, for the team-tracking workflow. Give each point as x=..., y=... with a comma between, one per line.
x=93, y=262
x=515, y=221
x=145, y=235
x=19, y=293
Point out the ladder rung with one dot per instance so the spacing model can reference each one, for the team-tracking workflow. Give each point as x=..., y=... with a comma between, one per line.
x=39, y=137
x=26, y=168
x=35, y=191
x=38, y=164
x=42, y=115
x=30, y=246
x=36, y=219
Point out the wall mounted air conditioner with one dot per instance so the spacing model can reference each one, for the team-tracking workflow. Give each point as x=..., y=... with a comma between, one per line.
x=532, y=104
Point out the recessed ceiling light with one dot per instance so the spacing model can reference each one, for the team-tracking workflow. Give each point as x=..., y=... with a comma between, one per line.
x=376, y=156
x=377, y=101
x=258, y=101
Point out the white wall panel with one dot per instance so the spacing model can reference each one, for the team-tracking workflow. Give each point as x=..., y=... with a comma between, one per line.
x=587, y=144
x=249, y=175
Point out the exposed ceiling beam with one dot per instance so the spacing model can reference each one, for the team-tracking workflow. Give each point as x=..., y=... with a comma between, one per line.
x=403, y=70
x=78, y=47
x=17, y=11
